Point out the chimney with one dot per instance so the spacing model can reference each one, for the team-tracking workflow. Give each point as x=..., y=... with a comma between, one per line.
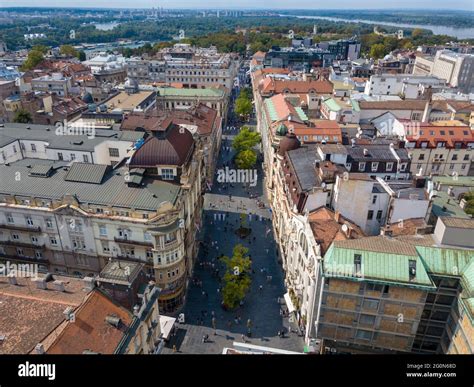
x=59, y=286
x=39, y=349
x=89, y=283
x=353, y=142
x=136, y=309
x=337, y=216
x=113, y=320
x=366, y=152
x=450, y=191
x=426, y=112
x=69, y=313
x=40, y=283
x=12, y=279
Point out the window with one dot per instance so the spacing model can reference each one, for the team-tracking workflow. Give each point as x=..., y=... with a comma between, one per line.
x=389, y=166
x=375, y=166
x=85, y=158
x=463, y=166
x=403, y=167
x=105, y=247
x=370, y=215
x=38, y=254
x=167, y=174
x=367, y=319
x=149, y=253
x=466, y=158
x=73, y=156
x=102, y=230
x=15, y=237
x=34, y=240
x=53, y=241
x=14, y=149
x=370, y=304
x=363, y=335
x=374, y=199
x=114, y=152
x=379, y=214
x=361, y=167
x=19, y=251
x=29, y=221
x=60, y=156
x=33, y=147
x=10, y=218
x=455, y=157
x=451, y=166
x=421, y=157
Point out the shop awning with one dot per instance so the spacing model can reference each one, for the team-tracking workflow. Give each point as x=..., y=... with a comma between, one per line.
x=166, y=325
x=289, y=303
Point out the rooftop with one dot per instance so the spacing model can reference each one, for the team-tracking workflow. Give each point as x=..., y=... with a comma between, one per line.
x=29, y=314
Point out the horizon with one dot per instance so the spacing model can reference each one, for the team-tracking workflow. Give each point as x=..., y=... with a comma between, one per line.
x=419, y=7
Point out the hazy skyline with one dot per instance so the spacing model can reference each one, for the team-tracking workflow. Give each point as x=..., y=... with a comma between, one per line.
x=249, y=4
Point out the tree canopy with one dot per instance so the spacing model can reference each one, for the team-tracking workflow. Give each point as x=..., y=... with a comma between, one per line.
x=236, y=277
x=246, y=139
x=246, y=159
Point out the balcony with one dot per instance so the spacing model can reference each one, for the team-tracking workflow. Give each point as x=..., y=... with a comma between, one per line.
x=16, y=227
x=38, y=246
x=131, y=242
x=19, y=258
x=131, y=259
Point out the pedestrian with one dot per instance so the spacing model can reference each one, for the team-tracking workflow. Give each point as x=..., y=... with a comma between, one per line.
x=236, y=320
x=243, y=338
x=174, y=348
x=261, y=287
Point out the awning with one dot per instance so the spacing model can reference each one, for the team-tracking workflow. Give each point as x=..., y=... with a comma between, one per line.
x=166, y=325
x=289, y=303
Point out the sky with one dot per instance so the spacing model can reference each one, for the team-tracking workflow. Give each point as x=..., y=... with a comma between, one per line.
x=305, y=4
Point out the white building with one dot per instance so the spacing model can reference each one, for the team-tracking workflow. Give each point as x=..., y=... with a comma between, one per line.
x=410, y=86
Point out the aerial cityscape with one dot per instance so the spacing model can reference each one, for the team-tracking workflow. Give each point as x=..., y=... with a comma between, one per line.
x=247, y=180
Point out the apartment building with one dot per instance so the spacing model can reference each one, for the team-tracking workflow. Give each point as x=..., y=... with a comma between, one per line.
x=54, y=83
x=416, y=302
x=407, y=85
x=72, y=219
x=457, y=69
x=191, y=66
x=373, y=203
x=64, y=144
x=439, y=148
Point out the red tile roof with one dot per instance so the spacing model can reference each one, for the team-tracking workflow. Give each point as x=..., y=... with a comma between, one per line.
x=326, y=229
x=90, y=330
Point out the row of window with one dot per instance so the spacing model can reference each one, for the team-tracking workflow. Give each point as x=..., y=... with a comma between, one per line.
x=375, y=165
x=440, y=157
x=318, y=138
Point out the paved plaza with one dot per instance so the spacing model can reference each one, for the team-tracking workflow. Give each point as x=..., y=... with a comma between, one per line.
x=263, y=304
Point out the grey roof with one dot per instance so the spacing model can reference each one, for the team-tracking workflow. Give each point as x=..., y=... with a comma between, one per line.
x=114, y=190
x=86, y=173
x=303, y=160
x=83, y=142
x=333, y=149
x=458, y=222
x=40, y=170
x=376, y=153
x=121, y=272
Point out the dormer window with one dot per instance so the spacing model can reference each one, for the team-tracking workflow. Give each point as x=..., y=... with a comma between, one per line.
x=167, y=174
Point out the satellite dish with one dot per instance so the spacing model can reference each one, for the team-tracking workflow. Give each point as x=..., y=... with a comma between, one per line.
x=345, y=228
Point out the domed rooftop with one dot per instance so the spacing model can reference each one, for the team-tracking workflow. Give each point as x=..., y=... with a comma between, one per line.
x=173, y=149
x=282, y=130
x=288, y=143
